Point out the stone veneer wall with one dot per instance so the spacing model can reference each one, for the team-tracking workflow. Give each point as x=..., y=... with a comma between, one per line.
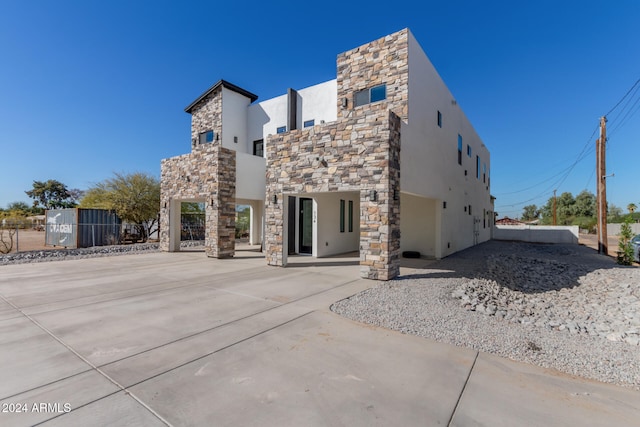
x=349, y=155
x=207, y=115
x=385, y=60
x=207, y=174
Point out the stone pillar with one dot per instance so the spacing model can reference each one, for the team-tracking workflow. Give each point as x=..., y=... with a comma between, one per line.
x=220, y=235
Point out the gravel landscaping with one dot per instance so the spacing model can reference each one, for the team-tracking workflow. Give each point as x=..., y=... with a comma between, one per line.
x=64, y=254
x=556, y=306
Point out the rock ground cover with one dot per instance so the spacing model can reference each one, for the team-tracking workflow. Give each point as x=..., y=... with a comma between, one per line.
x=556, y=306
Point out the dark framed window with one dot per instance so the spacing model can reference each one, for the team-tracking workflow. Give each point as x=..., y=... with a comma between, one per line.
x=468, y=150
x=478, y=167
x=258, y=148
x=309, y=123
x=205, y=137
x=367, y=96
x=439, y=119
x=350, y=216
x=484, y=172
x=281, y=129
x=459, y=149
x=341, y=216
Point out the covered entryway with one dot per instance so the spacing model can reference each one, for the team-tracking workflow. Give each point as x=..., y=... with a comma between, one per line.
x=322, y=224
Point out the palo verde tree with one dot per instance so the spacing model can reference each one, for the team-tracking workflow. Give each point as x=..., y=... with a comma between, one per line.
x=134, y=197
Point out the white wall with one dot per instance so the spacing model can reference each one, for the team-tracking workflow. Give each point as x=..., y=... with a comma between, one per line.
x=418, y=225
x=250, y=176
x=429, y=157
x=537, y=233
x=318, y=102
x=328, y=240
x=266, y=117
x=234, y=120
x=614, y=229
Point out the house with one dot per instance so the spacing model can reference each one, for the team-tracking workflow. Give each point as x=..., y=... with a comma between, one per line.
x=380, y=160
x=509, y=221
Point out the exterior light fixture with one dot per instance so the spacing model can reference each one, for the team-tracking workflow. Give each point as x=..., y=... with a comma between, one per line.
x=274, y=199
x=345, y=102
x=373, y=195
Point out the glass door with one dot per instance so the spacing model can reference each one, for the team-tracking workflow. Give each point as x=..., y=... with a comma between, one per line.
x=305, y=221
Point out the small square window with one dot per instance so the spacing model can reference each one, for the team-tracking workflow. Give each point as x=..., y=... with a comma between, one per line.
x=309, y=123
x=374, y=94
x=281, y=129
x=439, y=119
x=205, y=137
x=378, y=93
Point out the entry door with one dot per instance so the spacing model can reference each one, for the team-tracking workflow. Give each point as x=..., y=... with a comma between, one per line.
x=305, y=221
x=291, y=220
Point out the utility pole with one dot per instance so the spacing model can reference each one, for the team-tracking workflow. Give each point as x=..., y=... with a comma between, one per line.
x=601, y=173
x=554, y=208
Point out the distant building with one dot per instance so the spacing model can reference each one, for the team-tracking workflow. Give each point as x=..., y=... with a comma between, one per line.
x=509, y=221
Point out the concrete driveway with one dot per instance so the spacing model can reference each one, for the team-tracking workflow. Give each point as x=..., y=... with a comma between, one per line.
x=180, y=339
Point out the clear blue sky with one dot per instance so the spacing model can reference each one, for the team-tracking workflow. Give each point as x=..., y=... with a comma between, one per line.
x=90, y=88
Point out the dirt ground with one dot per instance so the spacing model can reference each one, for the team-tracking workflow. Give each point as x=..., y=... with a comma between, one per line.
x=31, y=240
x=28, y=240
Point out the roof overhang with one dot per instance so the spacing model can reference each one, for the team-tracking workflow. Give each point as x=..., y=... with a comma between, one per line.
x=225, y=84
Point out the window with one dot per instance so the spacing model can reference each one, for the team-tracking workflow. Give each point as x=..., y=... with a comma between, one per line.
x=468, y=150
x=484, y=172
x=439, y=119
x=258, y=148
x=281, y=129
x=478, y=167
x=469, y=209
x=341, y=216
x=350, y=216
x=459, y=149
x=367, y=96
x=309, y=123
x=205, y=137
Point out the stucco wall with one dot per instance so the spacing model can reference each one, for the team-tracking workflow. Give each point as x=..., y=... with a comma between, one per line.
x=234, y=121
x=537, y=233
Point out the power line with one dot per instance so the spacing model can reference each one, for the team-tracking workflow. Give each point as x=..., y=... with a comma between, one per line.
x=622, y=99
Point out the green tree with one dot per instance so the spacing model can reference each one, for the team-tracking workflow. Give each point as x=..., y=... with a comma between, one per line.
x=625, y=250
x=51, y=194
x=614, y=213
x=585, y=205
x=530, y=213
x=19, y=208
x=134, y=197
x=631, y=207
x=565, y=210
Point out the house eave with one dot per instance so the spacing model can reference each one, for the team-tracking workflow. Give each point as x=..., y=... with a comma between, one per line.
x=225, y=84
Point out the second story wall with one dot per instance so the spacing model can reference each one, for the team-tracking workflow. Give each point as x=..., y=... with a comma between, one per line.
x=234, y=121
x=317, y=103
x=207, y=116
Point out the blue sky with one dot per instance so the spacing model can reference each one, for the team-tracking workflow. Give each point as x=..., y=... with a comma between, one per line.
x=92, y=88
